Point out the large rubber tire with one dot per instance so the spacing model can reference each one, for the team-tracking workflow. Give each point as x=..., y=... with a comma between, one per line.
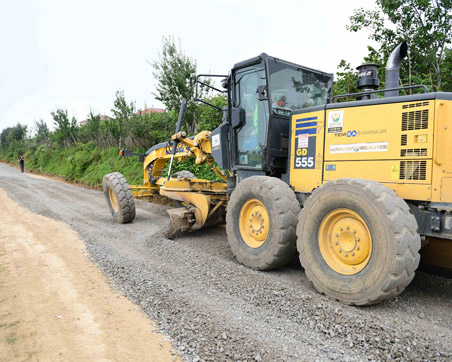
x=395, y=243
x=278, y=201
x=119, y=197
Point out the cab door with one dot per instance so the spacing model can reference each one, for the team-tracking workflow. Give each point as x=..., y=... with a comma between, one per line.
x=250, y=135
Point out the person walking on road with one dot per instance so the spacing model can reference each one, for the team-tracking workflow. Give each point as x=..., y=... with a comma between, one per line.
x=21, y=163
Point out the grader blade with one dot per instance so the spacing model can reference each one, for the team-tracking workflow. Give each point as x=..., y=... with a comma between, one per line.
x=181, y=220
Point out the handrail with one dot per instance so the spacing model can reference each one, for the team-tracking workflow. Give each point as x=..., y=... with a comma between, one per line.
x=209, y=86
x=379, y=91
x=436, y=145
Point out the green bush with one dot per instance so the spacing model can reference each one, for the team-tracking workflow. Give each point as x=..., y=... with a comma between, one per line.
x=200, y=171
x=84, y=163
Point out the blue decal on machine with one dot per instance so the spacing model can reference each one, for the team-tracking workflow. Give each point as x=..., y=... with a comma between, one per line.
x=306, y=131
x=330, y=168
x=306, y=125
x=306, y=119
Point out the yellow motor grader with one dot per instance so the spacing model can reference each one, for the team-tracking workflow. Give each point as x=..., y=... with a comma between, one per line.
x=355, y=187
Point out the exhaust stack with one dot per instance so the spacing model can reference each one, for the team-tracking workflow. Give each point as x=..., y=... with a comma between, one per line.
x=392, y=69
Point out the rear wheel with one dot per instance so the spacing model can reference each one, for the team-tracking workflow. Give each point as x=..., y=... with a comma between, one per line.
x=357, y=241
x=119, y=197
x=261, y=220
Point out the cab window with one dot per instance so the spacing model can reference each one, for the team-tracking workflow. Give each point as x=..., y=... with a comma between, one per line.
x=251, y=138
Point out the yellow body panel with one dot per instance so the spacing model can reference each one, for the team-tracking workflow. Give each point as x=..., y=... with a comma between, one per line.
x=405, y=145
x=192, y=185
x=374, y=132
x=387, y=172
x=306, y=150
x=442, y=153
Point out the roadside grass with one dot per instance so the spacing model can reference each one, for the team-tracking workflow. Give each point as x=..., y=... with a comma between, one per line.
x=88, y=164
x=84, y=163
x=9, y=325
x=11, y=338
x=31, y=354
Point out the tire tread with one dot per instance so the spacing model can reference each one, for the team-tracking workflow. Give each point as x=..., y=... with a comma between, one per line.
x=408, y=241
x=117, y=182
x=287, y=210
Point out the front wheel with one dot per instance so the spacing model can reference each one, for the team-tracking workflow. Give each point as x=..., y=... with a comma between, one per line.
x=119, y=197
x=358, y=241
x=261, y=220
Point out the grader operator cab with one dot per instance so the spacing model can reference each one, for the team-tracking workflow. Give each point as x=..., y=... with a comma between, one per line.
x=354, y=187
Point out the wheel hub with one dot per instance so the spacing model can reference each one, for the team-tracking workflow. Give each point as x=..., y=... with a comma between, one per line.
x=113, y=200
x=345, y=241
x=254, y=223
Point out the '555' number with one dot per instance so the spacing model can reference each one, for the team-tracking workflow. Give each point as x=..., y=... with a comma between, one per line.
x=304, y=162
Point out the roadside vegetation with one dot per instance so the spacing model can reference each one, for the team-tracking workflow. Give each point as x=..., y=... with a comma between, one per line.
x=85, y=153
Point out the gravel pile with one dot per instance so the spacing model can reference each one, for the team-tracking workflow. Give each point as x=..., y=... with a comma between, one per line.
x=214, y=309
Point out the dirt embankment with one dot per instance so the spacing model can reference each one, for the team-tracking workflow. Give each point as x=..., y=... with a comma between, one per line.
x=56, y=305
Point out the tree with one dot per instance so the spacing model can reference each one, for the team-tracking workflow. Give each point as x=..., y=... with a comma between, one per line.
x=345, y=81
x=346, y=77
x=123, y=112
x=207, y=117
x=65, y=129
x=91, y=130
x=42, y=132
x=16, y=133
x=176, y=76
x=426, y=25
x=13, y=140
x=447, y=70
x=4, y=137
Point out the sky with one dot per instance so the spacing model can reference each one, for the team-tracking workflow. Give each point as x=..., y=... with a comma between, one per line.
x=75, y=55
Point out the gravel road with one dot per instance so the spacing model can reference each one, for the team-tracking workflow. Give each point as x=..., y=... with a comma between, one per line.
x=214, y=309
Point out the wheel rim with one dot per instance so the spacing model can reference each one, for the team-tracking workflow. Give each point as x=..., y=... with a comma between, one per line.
x=345, y=241
x=113, y=200
x=254, y=223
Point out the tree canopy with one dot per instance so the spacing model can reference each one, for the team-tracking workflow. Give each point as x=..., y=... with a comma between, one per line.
x=426, y=25
x=176, y=79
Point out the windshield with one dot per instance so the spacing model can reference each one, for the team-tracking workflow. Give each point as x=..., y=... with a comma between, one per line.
x=295, y=88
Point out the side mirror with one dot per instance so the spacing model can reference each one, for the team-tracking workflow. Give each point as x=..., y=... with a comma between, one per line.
x=224, y=83
x=238, y=117
x=262, y=92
